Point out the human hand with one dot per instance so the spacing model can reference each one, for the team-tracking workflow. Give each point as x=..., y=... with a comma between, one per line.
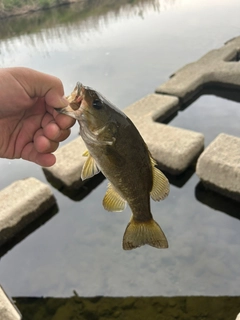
x=30, y=127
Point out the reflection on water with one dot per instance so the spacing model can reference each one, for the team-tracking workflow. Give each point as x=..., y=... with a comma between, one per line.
x=37, y=30
x=78, y=191
x=217, y=201
x=83, y=16
x=187, y=308
x=213, y=115
x=38, y=223
x=125, y=50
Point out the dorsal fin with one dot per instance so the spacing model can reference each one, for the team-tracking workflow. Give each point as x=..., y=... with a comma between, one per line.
x=160, y=188
x=89, y=168
x=112, y=200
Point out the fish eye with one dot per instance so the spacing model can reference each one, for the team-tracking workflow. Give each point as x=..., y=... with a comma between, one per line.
x=97, y=104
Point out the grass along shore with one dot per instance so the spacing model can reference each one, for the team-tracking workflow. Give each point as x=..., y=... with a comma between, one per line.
x=10, y=8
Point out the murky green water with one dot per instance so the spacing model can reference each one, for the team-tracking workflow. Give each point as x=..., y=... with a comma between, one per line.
x=125, y=51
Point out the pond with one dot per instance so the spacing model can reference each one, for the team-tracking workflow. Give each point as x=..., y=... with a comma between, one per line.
x=125, y=50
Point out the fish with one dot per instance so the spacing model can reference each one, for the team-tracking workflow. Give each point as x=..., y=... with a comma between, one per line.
x=116, y=148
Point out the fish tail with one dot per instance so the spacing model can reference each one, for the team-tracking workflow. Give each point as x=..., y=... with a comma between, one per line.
x=139, y=233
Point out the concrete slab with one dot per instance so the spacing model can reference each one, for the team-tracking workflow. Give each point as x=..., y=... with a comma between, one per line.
x=68, y=167
x=154, y=107
x=8, y=310
x=219, y=67
x=173, y=148
x=219, y=166
x=21, y=203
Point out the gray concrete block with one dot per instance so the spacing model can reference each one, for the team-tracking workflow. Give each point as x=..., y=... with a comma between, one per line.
x=219, y=166
x=152, y=107
x=68, y=167
x=219, y=67
x=8, y=310
x=173, y=148
x=21, y=203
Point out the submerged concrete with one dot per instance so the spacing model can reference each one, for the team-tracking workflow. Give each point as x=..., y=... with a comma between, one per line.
x=21, y=203
x=219, y=166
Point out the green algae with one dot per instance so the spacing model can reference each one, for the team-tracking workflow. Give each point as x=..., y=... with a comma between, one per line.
x=130, y=308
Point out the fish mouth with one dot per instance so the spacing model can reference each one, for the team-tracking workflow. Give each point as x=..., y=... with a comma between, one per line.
x=75, y=100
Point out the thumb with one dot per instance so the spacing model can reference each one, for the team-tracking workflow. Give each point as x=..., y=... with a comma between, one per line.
x=55, y=100
x=38, y=84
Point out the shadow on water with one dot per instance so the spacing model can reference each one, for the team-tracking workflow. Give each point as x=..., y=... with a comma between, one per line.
x=217, y=201
x=220, y=90
x=45, y=217
x=68, y=15
x=180, y=180
x=132, y=308
x=79, y=190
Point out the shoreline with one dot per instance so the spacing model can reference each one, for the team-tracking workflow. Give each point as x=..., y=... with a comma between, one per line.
x=33, y=8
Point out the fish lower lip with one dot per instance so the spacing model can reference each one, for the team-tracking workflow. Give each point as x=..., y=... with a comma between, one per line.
x=59, y=110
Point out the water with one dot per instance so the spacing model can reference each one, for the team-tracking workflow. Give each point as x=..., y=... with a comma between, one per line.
x=125, y=51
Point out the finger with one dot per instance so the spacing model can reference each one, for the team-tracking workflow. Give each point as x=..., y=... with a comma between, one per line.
x=30, y=153
x=52, y=131
x=44, y=145
x=47, y=118
x=39, y=84
x=63, y=121
x=63, y=135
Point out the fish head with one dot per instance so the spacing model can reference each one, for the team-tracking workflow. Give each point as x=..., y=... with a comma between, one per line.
x=89, y=107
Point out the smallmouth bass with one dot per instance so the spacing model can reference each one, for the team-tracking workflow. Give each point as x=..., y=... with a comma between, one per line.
x=116, y=148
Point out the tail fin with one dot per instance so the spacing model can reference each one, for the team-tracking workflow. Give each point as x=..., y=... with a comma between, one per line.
x=139, y=233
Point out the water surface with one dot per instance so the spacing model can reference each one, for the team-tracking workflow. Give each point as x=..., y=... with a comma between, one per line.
x=125, y=52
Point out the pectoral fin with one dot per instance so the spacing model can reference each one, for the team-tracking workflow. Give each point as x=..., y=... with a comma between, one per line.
x=160, y=188
x=86, y=153
x=112, y=201
x=89, y=168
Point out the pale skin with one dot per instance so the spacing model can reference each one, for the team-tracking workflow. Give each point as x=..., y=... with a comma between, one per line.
x=30, y=127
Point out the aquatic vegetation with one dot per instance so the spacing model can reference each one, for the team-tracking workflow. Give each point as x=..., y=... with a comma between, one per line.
x=15, y=7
